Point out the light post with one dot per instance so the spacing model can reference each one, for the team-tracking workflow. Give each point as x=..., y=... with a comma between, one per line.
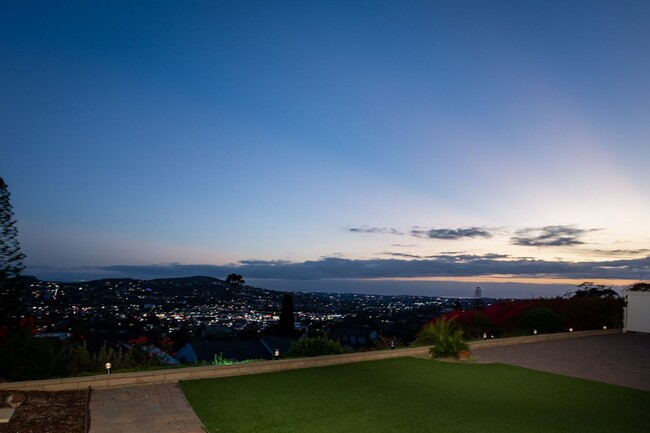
x=108, y=367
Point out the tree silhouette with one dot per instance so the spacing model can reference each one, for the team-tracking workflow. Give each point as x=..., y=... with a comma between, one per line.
x=478, y=299
x=12, y=289
x=285, y=325
x=591, y=290
x=640, y=287
x=235, y=280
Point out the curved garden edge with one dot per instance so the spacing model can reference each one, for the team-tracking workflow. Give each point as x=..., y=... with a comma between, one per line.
x=165, y=376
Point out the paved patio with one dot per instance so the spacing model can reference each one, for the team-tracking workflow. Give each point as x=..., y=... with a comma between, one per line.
x=619, y=359
x=160, y=408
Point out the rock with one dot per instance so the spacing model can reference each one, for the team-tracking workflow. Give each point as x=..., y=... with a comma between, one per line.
x=16, y=399
x=5, y=414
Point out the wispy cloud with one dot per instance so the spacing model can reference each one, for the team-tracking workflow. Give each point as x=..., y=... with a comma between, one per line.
x=550, y=236
x=374, y=230
x=405, y=255
x=619, y=253
x=452, y=234
x=253, y=262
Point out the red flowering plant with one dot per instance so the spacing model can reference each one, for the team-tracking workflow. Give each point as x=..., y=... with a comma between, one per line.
x=498, y=319
x=140, y=341
x=166, y=345
x=524, y=316
x=29, y=324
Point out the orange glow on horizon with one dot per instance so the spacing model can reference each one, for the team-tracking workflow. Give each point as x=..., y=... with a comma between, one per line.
x=511, y=279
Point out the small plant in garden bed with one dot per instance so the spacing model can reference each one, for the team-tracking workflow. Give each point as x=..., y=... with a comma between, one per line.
x=317, y=346
x=444, y=335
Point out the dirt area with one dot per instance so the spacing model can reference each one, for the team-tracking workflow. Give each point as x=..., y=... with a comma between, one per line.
x=47, y=412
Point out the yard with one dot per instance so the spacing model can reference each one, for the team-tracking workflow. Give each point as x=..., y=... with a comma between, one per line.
x=415, y=395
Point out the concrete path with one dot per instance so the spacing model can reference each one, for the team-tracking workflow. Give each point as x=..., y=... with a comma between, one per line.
x=619, y=359
x=158, y=408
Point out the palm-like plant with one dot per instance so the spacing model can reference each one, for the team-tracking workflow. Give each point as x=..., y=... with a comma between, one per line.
x=443, y=334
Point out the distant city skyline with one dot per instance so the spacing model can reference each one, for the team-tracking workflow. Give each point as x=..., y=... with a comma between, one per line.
x=422, y=146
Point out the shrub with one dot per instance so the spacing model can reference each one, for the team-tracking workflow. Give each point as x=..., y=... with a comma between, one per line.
x=314, y=347
x=522, y=316
x=446, y=337
x=220, y=360
x=542, y=319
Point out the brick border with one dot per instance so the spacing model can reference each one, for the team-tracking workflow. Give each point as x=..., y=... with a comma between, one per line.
x=174, y=375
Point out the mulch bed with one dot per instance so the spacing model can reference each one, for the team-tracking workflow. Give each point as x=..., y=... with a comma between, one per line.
x=47, y=412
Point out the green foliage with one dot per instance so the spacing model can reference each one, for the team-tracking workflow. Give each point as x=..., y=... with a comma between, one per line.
x=220, y=360
x=542, y=319
x=515, y=317
x=314, y=347
x=446, y=337
x=26, y=357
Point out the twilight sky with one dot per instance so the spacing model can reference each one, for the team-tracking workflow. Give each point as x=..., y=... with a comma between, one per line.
x=406, y=147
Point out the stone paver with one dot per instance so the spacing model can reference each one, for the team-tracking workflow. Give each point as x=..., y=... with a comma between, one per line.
x=160, y=408
x=620, y=359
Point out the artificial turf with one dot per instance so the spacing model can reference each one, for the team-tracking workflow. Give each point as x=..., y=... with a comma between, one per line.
x=416, y=395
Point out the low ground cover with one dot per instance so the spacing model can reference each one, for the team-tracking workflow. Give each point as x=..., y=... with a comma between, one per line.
x=47, y=412
x=415, y=395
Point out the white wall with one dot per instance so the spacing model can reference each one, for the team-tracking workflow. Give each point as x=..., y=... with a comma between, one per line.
x=637, y=312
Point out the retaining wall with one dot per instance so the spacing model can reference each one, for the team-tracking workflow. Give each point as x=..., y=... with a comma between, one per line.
x=188, y=373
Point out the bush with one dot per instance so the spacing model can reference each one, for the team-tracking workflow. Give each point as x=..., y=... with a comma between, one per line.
x=317, y=346
x=446, y=337
x=26, y=357
x=542, y=319
x=516, y=317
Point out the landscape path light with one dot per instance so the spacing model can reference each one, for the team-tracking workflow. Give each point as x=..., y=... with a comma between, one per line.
x=108, y=367
x=276, y=354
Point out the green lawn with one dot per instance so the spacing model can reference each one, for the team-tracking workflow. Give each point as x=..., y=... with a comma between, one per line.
x=416, y=395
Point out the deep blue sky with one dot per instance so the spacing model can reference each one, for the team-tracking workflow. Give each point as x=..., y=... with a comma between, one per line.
x=306, y=144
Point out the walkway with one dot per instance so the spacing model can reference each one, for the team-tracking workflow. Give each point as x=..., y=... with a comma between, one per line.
x=158, y=408
x=619, y=359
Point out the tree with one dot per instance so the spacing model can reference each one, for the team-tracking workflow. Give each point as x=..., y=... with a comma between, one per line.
x=591, y=290
x=478, y=299
x=235, y=280
x=12, y=288
x=639, y=287
x=285, y=325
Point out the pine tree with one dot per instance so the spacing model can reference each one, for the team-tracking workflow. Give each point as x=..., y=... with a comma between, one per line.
x=12, y=289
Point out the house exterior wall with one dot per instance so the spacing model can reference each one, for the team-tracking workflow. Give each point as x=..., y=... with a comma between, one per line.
x=637, y=312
